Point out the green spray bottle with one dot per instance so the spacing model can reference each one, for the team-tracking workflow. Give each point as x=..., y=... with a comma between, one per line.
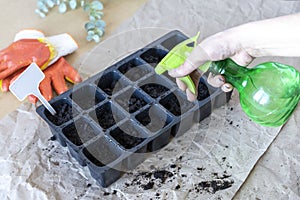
x=268, y=92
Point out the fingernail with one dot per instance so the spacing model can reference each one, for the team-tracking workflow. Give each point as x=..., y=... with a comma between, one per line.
x=221, y=79
x=227, y=88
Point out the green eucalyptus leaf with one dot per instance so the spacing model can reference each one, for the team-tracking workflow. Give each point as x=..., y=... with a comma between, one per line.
x=100, y=24
x=92, y=18
x=91, y=33
x=40, y=13
x=100, y=32
x=62, y=7
x=97, y=5
x=41, y=6
x=50, y=3
x=82, y=3
x=89, y=38
x=87, y=7
x=73, y=4
x=89, y=25
x=96, y=38
x=96, y=15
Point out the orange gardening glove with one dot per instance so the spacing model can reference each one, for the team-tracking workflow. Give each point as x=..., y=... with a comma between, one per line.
x=4, y=86
x=22, y=53
x=55, y=75
x=32, y=46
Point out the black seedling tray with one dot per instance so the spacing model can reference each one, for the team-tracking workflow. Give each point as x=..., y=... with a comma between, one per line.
x=110, y=121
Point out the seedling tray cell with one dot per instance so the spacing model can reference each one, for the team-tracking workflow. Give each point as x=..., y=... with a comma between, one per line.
x=155, y=86
x=153, y=118
x=65, y=112
x=79, y=132
x=111, y=82
x=112, y=120
x=176, y=104
x=134, y=69
x=87, y=96
x=132, y=100
x=107, y=115
x=154, y=55
x=133, y=139
x=172, y=41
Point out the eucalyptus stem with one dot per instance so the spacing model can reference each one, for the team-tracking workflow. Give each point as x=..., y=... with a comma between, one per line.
x=95, y=27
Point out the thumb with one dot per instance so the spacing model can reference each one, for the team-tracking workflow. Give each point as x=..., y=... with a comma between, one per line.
x=197, y=58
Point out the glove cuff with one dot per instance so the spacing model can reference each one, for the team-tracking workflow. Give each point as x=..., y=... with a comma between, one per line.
x=28, y=34
x=64, y=44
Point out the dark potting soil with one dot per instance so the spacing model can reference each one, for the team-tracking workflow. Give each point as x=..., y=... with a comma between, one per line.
x=152, y=59
x=128, y=137
x=213, y=186
x=108, y=193
x=153, y=125
x=147, y=180
x=156, y=178
x=203, y=92
x=92, y=158
x=133, y=71
x=110, y=87
x=110, y=82
x=154, y=90
x=127, y=66
x=79, y=132
x=153, y=56
x=172, y=104
x=133, y=104
x=105, y=116
x=64, y=113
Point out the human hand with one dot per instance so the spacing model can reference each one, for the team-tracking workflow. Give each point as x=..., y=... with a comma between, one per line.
x=214, y=48
x=272, y=37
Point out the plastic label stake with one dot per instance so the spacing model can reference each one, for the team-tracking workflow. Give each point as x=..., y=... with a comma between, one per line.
x=28, y=83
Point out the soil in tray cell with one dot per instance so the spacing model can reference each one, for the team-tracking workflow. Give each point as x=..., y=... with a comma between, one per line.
x=153, y=56
x=110, y=83
x=79, y=132
x=101, y=152
x=134, y=70
x=131, y=103
x=64, y=113
x=154, y=90
x=153, y=120
x=107, y=115
x=203, y=91
x=176, y=104
x=127, y=136
x=172, y=42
